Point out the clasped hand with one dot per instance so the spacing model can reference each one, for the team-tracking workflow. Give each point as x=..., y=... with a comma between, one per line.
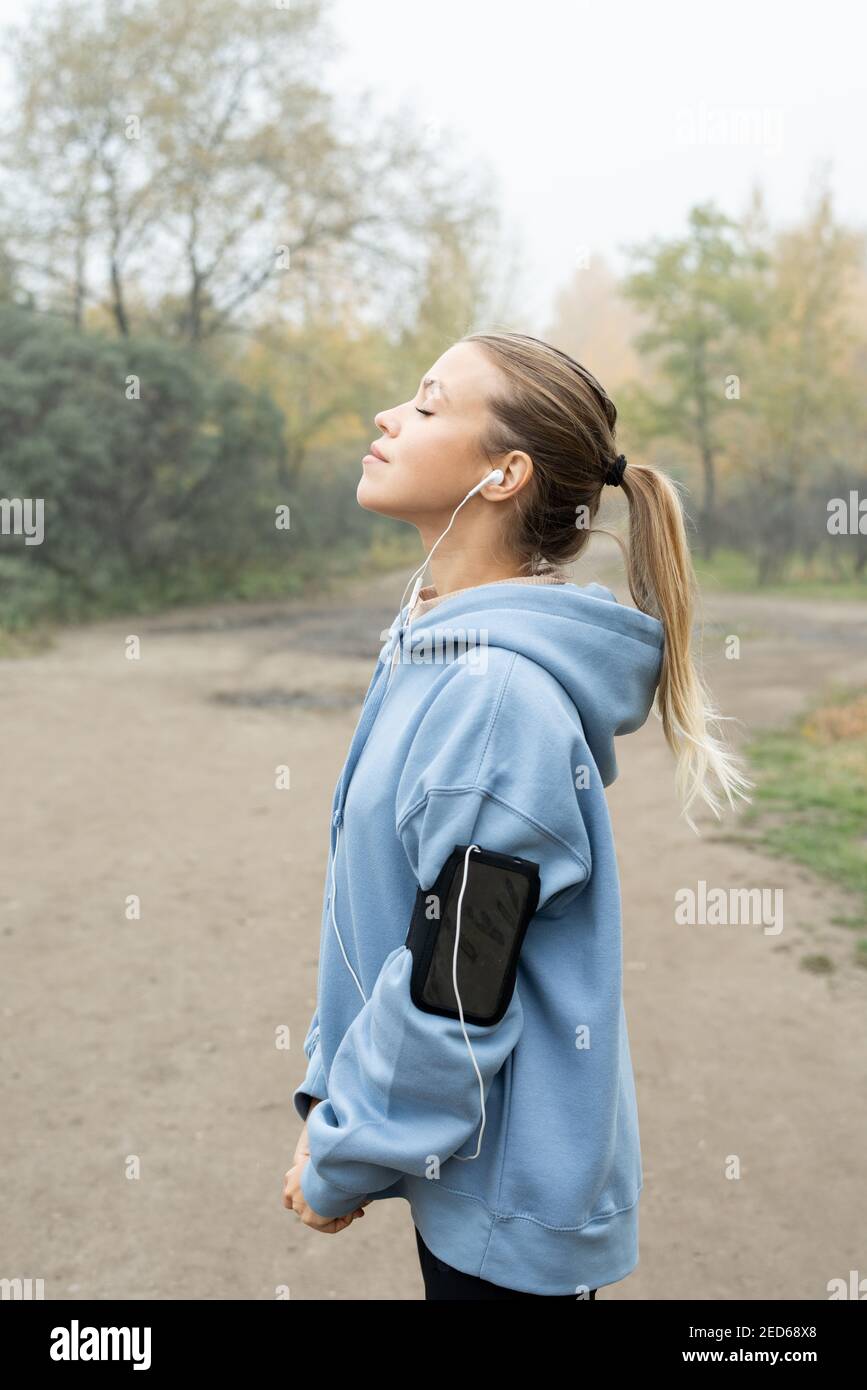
x=293, y=1196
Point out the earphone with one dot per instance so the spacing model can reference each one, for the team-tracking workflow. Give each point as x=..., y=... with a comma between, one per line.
x=463, y=1158
x=496, y=476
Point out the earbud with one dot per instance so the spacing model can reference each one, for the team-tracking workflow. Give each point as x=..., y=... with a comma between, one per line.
x=495, y=477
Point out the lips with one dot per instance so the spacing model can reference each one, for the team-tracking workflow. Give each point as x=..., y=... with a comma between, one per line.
x=377, y=453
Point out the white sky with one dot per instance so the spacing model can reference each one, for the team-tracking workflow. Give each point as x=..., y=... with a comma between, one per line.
x=586, y=111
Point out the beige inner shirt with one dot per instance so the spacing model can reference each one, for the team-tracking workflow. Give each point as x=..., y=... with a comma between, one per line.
x=428, y=597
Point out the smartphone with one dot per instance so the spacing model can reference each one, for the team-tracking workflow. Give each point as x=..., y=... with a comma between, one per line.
x=499, y=900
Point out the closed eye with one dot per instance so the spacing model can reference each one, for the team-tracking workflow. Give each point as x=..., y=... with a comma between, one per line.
x=423, y=412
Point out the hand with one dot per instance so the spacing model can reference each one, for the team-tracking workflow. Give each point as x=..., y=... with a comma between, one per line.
x=293, y=1196
x=302, y=1148
x=294, y=1200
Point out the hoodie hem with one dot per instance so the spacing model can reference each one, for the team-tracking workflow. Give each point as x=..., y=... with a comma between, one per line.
x=519, y=1252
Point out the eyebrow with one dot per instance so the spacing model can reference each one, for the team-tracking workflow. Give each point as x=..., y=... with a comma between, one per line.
x=434, y=381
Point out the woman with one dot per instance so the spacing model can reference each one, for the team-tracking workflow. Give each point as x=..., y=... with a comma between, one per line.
x=488, y=730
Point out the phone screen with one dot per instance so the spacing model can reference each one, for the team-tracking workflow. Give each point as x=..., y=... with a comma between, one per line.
x=495, y=899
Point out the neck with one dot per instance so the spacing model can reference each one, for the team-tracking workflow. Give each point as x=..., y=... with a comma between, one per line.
x=465, y=571
x=472, y=553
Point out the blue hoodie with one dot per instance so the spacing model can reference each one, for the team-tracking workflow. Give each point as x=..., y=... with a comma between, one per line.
x=491, y=723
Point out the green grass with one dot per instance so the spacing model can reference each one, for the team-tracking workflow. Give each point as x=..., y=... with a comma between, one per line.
x=810, y=801
x=735, y=571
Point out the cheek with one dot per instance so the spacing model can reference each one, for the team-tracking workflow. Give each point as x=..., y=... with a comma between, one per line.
x=430, y=473
x=438, y=466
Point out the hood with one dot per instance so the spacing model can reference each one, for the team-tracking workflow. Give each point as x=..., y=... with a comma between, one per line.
x=605, y=655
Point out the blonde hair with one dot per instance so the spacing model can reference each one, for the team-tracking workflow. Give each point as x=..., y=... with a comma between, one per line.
x=557, y=412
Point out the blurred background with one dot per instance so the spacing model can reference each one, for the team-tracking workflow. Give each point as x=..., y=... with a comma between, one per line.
x=232, y=231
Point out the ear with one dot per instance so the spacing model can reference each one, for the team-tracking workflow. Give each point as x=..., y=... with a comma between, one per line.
x=517, y=467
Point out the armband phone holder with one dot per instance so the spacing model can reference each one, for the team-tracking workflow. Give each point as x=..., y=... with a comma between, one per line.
x=499, y=900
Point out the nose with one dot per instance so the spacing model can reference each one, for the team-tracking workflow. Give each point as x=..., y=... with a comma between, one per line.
x=389, y=420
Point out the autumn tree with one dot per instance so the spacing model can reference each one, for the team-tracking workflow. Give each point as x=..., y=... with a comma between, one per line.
x=169, y=159
x=798, y=433
x=697, y=293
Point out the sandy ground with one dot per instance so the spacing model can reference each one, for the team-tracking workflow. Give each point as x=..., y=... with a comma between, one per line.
x=151, y=1041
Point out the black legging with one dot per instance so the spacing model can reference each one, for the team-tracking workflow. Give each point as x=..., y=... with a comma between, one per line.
x=443, y=1282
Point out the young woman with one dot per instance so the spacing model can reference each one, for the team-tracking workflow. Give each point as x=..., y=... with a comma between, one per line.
x=488, y=730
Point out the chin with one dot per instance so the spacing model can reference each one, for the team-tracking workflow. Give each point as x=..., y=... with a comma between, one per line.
x=376, y=498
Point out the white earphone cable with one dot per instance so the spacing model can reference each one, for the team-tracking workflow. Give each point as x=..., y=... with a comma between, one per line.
x=496, y=476
x=334, y=919
x=465, y=1158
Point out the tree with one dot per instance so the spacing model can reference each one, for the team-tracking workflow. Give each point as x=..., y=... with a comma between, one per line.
x=152, y=468
x=698, y=294
x=799, y=434
x=169, y=159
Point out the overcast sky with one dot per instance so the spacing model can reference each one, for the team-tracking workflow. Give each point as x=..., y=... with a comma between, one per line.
x=605, y=122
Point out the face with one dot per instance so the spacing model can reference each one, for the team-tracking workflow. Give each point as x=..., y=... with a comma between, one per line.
x=430, y=444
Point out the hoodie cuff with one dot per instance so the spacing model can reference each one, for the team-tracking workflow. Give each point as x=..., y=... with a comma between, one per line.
x=313, y=1085
x=322, y=1195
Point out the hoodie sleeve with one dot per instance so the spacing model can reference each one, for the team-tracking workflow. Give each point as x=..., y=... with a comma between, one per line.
x=314, y=1083
x=403, y=1094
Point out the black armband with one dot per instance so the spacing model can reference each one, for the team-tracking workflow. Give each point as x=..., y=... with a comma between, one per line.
x=499, y=900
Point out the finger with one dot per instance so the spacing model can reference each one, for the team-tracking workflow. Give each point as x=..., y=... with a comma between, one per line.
x=326, y=1228
x=339, y=1224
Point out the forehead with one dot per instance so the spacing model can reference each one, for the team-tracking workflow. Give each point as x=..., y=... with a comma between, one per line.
x=467, y=375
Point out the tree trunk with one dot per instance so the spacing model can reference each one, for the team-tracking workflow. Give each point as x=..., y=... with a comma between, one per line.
x=117, y=304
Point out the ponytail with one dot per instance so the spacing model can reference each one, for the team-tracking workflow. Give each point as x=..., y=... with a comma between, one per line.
x=555, y=410
x=662, y=582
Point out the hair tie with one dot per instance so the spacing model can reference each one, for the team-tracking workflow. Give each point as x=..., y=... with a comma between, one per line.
x=614, y=476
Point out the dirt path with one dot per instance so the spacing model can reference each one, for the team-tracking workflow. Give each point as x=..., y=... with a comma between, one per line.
x=155, y=1038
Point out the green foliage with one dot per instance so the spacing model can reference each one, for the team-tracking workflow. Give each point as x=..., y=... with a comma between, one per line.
x=144, y=498
x=170, y=497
